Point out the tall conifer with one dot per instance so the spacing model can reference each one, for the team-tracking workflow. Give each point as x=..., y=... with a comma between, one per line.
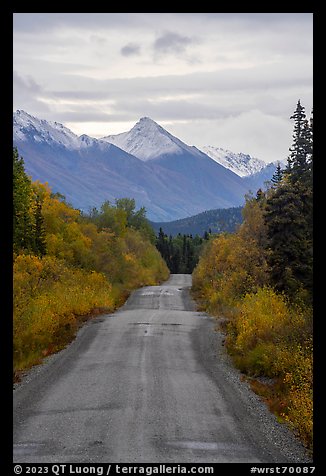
x=277, y=176
x=39, y=242
x=288, y=214
x=23, y=237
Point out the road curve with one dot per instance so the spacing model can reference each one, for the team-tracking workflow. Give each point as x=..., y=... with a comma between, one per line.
x=150, y=383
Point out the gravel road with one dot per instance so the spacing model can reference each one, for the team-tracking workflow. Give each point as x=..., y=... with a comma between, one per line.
x=150, y=383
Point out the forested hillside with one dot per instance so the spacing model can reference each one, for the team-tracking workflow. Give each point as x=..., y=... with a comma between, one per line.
x=260, y=280
x=217, y=221
x=68, y=265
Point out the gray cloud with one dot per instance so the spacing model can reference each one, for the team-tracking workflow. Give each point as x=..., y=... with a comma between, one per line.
x=93, y=115
x=199, y=95
x=178, y=109
x=171, y=42
x=251, y=81
x=131, y=49
x=26, y=84
x=27, y=93
x=31, y=22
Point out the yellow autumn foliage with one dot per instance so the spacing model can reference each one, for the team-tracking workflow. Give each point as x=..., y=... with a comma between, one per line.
x=85, y=269
x=229, y=266
x=264, y=316
x=48, y=298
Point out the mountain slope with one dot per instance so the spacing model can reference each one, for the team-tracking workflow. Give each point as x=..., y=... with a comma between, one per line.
x=258, y=179
x=202, y=179
x=174, y=181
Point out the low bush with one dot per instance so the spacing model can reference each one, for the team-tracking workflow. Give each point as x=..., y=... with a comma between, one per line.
x=271, y=338
x=48, y=298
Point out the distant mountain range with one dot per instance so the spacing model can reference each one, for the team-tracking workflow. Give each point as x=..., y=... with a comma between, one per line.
x=170, y=179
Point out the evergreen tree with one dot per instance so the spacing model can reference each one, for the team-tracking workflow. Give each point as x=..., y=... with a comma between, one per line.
x=161, y=244
x=260, y=195
x=299, y=162
x=40, y=242
x=289, y=257
x=277, y=176
x=23, y=238
x=170, y=253
x=288, y=214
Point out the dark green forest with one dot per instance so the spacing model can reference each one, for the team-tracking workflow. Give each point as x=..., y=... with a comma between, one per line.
x=181, y=252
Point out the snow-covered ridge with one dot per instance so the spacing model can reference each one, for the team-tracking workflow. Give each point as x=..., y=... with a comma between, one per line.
x=26, y=127
x=146, y=140
x=241, y=164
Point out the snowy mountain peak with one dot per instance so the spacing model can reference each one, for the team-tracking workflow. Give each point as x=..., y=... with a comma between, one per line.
x=146, y=125
x=148, y=140
x=241, y=164
x=146, y=120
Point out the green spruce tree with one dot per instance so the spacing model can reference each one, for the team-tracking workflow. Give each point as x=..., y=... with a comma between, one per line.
x=300, y=160
x=288, y=215
x=39, y=241
x=23, y=233
x=277, y=176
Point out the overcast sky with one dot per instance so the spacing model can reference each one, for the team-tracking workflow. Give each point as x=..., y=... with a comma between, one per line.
x=231, y=80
